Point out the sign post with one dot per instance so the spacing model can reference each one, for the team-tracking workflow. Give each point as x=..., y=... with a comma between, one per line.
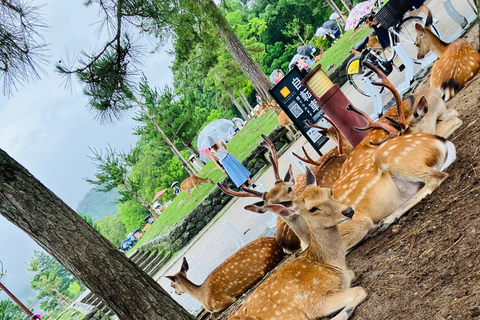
x=300, y=105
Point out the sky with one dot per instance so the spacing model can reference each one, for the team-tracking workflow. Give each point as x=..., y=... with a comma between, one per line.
x=48, y=129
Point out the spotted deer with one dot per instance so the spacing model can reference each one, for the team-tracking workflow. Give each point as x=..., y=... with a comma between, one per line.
x=193, y=182
x=285, y=121
x=458, y=61
x=317, y=283
x=232, y=277
x=292, y=233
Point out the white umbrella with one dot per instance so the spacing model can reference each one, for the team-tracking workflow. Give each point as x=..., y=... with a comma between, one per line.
x=212, y=133
x=321, y=32
x=333, y=16
x=294, y=60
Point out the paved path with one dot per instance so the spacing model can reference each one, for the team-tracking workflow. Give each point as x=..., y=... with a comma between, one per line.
x=208, y=249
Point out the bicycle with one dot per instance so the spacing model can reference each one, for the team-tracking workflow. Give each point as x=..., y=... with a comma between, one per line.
x=402, y=36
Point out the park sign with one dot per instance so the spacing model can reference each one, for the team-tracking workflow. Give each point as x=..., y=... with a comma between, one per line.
x=300, y=106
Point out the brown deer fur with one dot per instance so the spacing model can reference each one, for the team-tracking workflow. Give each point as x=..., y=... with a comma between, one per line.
x=285, y=121
x=317, y=283
x=458, y=61
x=232, y=277
x=193, y=182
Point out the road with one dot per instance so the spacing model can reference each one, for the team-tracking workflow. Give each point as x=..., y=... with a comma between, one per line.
x=208, y=249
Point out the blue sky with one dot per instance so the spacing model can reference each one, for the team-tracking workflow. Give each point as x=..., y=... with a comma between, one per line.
x=49, y=131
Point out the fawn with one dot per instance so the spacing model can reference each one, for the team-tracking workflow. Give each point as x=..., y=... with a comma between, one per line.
x=458, y=61
x=232, y=277
x=193, y=182
x=317, y=283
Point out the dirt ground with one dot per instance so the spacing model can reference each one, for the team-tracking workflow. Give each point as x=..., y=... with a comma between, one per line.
x=427, y=266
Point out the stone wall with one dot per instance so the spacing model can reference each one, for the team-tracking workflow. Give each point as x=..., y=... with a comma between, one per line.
x=195, y=221
x=339, y=75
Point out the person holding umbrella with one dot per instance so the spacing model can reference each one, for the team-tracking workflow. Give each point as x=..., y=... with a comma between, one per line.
x=229, y=165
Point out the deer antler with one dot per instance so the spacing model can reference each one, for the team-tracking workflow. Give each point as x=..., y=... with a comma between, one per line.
x=273, y=155
x=401, y=122
x=308, y=159
x=392, y=132
x=250, y=193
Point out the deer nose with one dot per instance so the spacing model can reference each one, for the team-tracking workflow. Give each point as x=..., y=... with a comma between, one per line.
x=348, y=213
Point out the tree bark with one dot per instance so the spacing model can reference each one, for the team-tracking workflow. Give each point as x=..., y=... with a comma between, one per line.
x=108, y=273
x=245, y=102
x=336, y=9
x=348, y=5
x=147, y=205
x=236, y=49
x=232, y=96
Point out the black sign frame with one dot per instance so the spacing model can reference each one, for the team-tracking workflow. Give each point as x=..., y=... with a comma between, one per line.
x=300, y=105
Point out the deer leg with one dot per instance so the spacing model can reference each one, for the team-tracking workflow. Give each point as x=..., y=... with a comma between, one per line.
x=355, y=232
x=196, y=187
x=448, y=124
x=343, y=302
x=433, y=181
x=188, y=194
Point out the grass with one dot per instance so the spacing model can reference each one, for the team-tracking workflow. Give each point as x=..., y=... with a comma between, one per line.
x=340, y=51
x=242, y=144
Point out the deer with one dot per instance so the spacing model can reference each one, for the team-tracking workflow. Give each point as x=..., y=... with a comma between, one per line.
x=458, y=61
x=232, y=277
x=285, y=121
x=193, y=182
x=318, y=282
x=292, y=233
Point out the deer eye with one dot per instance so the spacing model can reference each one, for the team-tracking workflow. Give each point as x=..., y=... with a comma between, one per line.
x=289, y=189
x=312, y=210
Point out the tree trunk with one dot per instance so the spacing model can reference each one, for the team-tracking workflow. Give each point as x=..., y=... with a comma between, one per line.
x=348, y=5
x=232, y=96
x=336, y=9
x=146, y=205
x=108, y=273
x=236, y=49
x=245, y=102
x=186, y=166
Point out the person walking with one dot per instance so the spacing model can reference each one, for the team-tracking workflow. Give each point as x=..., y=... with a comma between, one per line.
x=229, y=165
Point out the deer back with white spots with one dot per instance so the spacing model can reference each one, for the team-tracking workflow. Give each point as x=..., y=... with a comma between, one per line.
x=232, y=277
x=458, y=61
x=388, y=173
x=317, y=283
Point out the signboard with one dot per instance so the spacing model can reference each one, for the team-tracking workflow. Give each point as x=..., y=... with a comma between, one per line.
x=299, y=104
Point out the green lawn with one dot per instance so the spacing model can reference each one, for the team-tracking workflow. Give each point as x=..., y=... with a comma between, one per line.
x=240, y=147
x=340, y=51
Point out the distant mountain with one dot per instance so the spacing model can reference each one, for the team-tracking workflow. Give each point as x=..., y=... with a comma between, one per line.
x=98, y=204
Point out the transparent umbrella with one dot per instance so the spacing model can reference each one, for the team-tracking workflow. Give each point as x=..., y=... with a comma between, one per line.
x=212, y=133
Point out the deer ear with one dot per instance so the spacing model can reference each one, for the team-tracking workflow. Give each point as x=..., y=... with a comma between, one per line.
x=289, y=176
x=172, y=278
x=419, y=28
x=310, y=178
x=184, y=267
x=421, y=109
x=280, y=210
x=429, y=20
x=256, y=207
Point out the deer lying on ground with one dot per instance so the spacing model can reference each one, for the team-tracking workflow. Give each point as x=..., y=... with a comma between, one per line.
x=317, y=283
x=193, y=182
x=232, y=277
x=292, y=233
x=285, y=121
x=458, y=61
